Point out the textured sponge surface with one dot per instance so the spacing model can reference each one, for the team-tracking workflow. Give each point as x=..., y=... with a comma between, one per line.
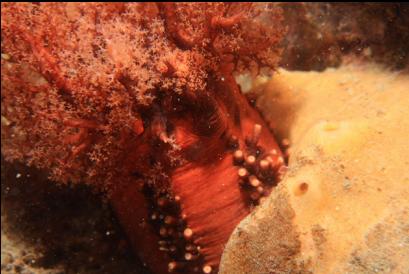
x=343, y=206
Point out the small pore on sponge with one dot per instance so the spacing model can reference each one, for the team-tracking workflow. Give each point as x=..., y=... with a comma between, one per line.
x=301, y=189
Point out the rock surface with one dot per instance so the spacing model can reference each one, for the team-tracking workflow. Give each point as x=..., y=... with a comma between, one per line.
x=343, y=205
x=51, y=229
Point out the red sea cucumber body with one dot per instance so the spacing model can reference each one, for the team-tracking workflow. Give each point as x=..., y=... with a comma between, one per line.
x=211, y=199
x=139, y=101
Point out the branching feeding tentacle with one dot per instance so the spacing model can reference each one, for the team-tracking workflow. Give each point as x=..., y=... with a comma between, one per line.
x=179, y=35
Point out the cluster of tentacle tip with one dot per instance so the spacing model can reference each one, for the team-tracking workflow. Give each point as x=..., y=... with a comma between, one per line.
x=176, y=238
x=258, y=169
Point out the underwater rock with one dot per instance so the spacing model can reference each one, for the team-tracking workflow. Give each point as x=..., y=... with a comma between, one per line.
x=342, y=207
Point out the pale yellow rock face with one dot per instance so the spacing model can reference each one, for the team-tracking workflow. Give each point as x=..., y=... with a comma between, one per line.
x=347, y=188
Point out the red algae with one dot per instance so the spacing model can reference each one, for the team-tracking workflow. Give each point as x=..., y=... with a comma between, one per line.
x=139, y=101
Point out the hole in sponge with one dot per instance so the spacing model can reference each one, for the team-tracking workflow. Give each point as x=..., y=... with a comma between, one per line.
x=301, y=189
